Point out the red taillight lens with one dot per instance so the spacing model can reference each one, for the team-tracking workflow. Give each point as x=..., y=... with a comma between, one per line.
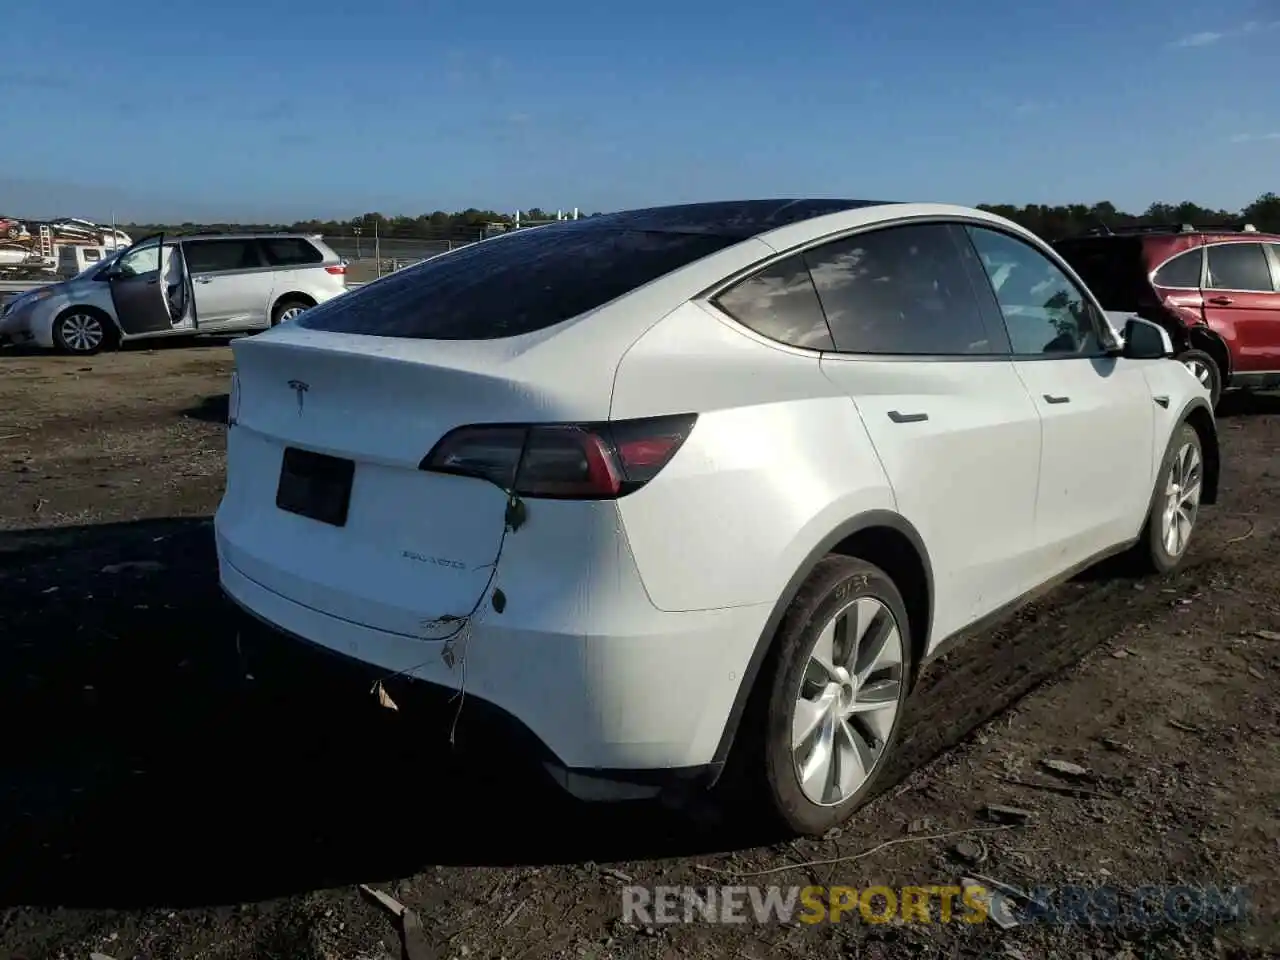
x=337, y=271
x=563, y=461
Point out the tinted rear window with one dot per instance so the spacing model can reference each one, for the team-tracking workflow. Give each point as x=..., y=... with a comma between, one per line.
x=290, y=251
x=514, y=284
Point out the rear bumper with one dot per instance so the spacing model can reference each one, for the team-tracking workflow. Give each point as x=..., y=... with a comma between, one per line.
x=609, y=717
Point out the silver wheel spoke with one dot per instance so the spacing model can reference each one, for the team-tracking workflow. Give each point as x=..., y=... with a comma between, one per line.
x=880, y=695
x=851, y=763
x=815, y=772
x=878, y=644
x=809, y=715
x=1191, y=494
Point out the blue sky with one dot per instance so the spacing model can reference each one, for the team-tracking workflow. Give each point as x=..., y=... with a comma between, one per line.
x=284, y=108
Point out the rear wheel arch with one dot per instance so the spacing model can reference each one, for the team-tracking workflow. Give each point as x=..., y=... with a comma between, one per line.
x=880, y=537
x=1202, y=338
x=293, y=296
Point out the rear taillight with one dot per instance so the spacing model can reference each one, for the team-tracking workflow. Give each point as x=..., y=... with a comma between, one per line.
x=596, y=461
x=337, y=271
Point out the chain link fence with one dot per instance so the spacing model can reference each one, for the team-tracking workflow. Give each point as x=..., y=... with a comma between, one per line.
x=369, y=256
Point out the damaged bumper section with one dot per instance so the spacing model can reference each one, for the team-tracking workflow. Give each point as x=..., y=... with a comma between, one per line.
x=627, y=716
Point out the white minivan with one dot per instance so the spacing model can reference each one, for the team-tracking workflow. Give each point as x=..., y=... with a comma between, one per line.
x=178, y=285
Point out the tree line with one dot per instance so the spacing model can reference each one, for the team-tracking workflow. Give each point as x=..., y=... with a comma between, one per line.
x=1050, y=222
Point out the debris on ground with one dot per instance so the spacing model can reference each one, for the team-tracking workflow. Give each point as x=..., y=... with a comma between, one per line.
x=134, y=566
x=999, y=813
x=1065, y=768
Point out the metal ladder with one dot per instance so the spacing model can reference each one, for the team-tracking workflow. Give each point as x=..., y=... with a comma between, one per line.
x=46, y=242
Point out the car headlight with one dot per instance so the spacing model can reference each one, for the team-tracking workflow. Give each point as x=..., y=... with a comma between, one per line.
x=26, y=300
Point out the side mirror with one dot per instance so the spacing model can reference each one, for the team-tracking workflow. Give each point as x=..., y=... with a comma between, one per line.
x=1144, y=340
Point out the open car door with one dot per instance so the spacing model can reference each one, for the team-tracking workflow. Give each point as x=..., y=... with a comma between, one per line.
x=150, y=288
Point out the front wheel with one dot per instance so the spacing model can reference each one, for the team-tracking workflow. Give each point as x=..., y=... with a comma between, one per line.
x=1176, y=504
x=836, y=694
x=1206, y=370
x=81, y=332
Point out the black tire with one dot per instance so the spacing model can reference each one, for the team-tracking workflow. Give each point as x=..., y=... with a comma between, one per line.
x=284, y=306
x=1151, y=552
x=13, y=233
x=78, y=318
x=1206, y=370
x=835, y=583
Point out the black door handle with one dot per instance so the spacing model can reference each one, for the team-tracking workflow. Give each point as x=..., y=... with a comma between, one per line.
x=1050, y=398
x=897, y=417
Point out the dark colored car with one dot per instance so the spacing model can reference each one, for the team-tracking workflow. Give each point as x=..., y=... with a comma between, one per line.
x=1216, y=291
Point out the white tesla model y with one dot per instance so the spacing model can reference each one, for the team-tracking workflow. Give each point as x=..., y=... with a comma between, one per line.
x=673, y=485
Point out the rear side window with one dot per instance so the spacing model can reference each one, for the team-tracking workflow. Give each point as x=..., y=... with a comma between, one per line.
x=780, y=303
x=1182, y=272
x=290, y=252
x=901, y=290
x=1239, y=266
x=514, y=284
x=211, y=256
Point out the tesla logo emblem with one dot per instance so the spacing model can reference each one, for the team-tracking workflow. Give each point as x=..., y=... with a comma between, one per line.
x=300, y=390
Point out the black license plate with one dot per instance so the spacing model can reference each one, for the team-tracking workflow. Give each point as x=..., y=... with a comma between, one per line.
x=315, y=485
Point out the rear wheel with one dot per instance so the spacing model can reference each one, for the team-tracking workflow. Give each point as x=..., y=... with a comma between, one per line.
x=82, y=331
x=1176, y=504
x=1206, y=370
x=834, y=696
x=287, y=310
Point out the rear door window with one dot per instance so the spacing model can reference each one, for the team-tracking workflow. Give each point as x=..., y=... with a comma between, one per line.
x=215, y=256
x=900, y=291
x=290, y=252
x=1183, y=272
x=1239, y=266
x=514, y=284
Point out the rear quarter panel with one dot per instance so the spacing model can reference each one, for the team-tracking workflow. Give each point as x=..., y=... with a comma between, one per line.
x=778, y=459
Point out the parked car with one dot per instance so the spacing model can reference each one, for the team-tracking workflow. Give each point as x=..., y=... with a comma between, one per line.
x=12, y=229
x=689, y=494
x=223, y=283
x=1216, y=291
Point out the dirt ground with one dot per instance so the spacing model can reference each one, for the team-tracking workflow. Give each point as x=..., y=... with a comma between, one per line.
x=160, y=800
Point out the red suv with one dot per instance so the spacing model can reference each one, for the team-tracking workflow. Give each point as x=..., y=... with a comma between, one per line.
x=1216, y=290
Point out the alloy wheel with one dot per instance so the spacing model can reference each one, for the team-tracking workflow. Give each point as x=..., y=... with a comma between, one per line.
x=81, y=332
x=290, y=313
x=848, y=700
x=1182, y=499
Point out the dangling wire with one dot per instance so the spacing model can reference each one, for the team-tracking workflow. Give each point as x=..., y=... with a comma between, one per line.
x=513, y=520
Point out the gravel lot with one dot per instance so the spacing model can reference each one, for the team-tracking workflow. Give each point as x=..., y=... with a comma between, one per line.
x=159, y=798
